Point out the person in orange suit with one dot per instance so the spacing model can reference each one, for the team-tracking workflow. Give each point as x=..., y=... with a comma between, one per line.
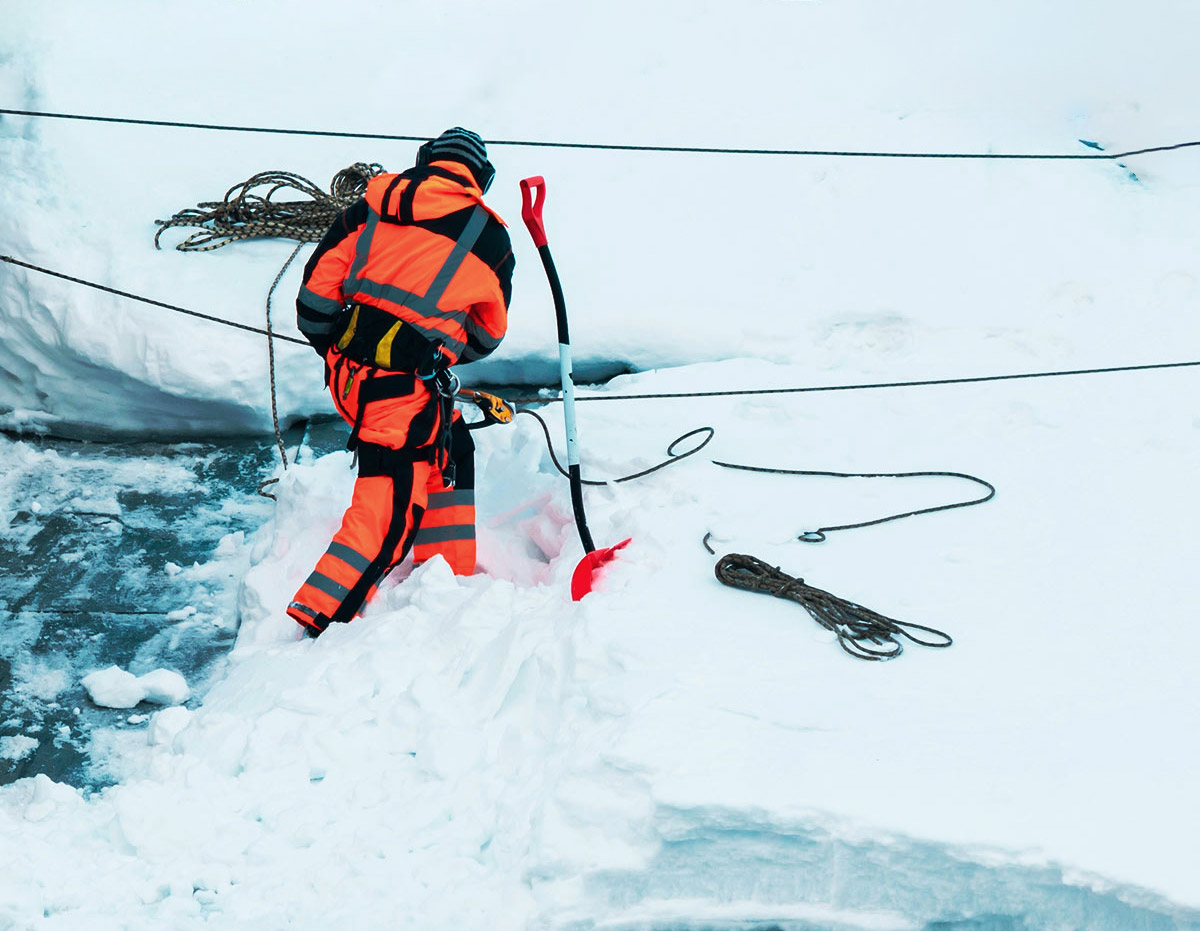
x=409, y=281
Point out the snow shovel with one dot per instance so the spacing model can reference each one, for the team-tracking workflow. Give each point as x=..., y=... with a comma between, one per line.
x=586, y=572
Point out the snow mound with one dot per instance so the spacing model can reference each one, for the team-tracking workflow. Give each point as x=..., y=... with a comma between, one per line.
x=115, y=688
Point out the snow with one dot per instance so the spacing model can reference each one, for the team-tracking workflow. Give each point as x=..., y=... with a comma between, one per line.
x=115, y=688
x=17, y=746
x=482, y=752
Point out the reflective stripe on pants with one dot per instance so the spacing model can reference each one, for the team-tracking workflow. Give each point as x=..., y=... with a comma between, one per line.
x=377, y=532
x=448, y=526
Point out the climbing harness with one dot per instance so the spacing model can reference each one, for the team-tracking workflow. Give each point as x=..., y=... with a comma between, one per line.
x=374, y=337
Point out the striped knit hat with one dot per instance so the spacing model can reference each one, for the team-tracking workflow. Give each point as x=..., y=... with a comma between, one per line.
x=462, y=146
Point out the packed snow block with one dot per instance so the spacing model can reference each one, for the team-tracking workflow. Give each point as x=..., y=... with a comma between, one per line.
x=164, y=687
x=115, y=688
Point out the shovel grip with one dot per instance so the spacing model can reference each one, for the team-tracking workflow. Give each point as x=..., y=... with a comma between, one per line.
x=531, y=207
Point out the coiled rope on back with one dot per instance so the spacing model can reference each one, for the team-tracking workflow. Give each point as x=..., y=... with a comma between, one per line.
x=247, y=213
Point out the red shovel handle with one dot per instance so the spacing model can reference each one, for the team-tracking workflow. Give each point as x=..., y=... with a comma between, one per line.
x=531, y=209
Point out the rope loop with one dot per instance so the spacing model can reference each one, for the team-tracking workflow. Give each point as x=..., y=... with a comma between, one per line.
x=671, y=449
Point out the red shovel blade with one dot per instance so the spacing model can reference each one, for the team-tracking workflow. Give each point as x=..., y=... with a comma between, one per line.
x=586, y=572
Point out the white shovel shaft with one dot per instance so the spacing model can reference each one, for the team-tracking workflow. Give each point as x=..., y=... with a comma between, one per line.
x=568, y=388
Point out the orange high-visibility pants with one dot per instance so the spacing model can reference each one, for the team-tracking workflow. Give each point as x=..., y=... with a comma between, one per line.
x=377, y=532
x=395, y=420
x=448, y=526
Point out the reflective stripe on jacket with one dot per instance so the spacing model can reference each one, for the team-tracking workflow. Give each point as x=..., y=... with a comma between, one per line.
x=423, y=247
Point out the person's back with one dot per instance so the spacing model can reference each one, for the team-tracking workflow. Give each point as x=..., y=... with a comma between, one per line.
x=410, y=280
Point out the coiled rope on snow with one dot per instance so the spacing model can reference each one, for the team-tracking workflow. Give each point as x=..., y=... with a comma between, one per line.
x=861, y=632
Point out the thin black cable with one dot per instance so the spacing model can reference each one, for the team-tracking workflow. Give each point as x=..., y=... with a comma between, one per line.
x=146, y=300
x=818, y=535
x=535, y=399
x=858, y=387
x=808, y=536
x=673, y=456
x=612, y=147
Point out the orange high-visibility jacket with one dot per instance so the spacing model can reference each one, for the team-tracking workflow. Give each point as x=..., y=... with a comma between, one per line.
x=424, y=249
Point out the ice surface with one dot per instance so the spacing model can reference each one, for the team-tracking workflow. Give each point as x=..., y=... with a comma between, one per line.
x=88, y=578
x=667, y=753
